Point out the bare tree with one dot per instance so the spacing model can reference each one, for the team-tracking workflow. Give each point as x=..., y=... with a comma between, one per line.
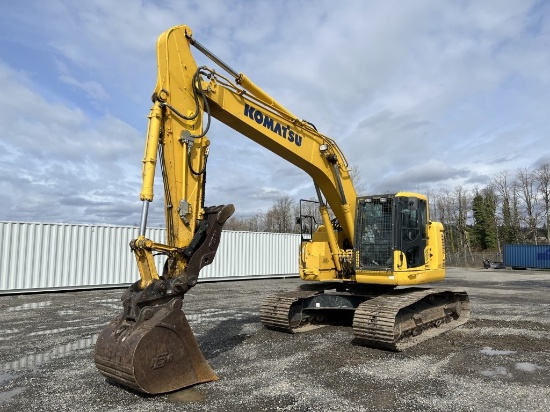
x=245, y=224
x=280, y=217
x=442, y=210
x=516, y=218
x=528, y=195
x=355, y=176
x=542, y=175
x=505, y=191
x=463, y=206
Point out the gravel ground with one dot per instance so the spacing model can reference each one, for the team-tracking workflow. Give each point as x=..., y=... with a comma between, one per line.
x=498, y=361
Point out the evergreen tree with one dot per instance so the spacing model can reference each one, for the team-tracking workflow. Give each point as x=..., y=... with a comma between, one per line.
x=484, y=209
x=478, y=238
x=508, y=232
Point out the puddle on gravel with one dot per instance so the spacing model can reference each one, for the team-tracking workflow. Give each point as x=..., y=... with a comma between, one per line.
x=497, y=371
x=61, y=330
x=527, y=367
x=68, y=312
x=110, y=303
x=210, y=315
x=4, y=377
x=36, y=359
x=494, y=352
x=186, y=395
x=8, y=331
x=4, y=396
x=53, y=331
x=31, y=305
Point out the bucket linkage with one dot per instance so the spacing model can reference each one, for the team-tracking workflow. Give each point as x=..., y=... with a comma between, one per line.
x=150, y=346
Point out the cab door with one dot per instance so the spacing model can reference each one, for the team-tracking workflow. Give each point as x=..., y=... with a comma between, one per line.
x=411, y=229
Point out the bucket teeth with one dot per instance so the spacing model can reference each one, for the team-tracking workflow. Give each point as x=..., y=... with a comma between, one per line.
x=156, y=353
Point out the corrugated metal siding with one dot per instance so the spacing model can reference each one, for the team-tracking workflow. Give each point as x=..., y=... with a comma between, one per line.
x=527, y=256
x=244, y=254
x=42, y=256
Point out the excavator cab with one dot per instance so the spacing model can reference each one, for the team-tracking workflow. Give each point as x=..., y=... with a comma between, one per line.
x=375, y=237
x=389, y=223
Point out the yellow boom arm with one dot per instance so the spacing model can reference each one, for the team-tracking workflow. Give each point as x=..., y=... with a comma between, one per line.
x=186, y=97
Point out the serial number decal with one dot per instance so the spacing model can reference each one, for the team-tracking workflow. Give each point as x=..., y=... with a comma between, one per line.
x=161, y=360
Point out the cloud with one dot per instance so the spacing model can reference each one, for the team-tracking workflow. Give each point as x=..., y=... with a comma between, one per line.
x=92, y=89
x=54, y=157
x=431, y=172
x=41, y=127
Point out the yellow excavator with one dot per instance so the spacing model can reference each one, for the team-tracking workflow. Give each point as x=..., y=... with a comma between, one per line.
x=355, y=252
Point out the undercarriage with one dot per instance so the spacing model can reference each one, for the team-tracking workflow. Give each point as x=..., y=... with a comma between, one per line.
x=391, y=319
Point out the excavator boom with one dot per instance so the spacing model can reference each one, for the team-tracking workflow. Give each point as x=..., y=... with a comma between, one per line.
x=150, y=346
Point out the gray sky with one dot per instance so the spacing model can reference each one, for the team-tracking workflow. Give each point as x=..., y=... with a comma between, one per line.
x=418, y=94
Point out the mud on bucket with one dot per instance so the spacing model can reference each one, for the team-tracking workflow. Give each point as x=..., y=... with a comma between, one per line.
x=158, y=353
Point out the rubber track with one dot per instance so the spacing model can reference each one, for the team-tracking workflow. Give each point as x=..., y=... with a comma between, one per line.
x=275, y=310
x=374, y=320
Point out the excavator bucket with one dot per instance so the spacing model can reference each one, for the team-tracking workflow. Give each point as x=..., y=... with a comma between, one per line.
x=156, y=353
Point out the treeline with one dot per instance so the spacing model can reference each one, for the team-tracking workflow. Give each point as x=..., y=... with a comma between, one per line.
x=511, y=208
x=280, y=218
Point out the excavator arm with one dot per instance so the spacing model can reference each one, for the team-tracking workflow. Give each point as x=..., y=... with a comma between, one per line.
x=150, y=346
